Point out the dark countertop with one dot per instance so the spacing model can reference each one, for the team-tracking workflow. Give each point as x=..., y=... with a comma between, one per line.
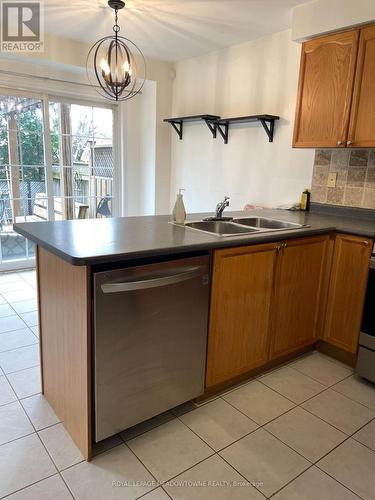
x=95, y=241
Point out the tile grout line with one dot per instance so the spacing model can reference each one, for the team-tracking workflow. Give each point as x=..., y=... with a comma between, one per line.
x=215, y=453
x=16, y=329
x=45, y=448
x=321, y=392
x=23, y=369
x=316, y=380
x=333, y=425
x=42, y=428
x=29, y=485
x=40, y=440
x=218, y=451
x=329, y=475
x=54, y=464
x=28, y=345
x=351, y=399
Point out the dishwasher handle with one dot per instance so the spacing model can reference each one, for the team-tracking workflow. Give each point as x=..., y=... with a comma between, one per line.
x=172, y=279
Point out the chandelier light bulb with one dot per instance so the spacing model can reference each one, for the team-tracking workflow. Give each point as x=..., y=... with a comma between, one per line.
x=105, y=67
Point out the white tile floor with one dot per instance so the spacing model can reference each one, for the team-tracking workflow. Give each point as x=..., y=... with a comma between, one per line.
x=305, y=431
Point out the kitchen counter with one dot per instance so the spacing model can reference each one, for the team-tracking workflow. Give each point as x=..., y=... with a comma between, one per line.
x=98, y=241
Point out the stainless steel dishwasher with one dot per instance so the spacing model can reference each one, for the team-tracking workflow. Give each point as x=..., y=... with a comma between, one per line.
x=150, y=337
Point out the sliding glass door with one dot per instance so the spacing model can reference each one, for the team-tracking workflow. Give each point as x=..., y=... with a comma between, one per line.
x=22, y=173
x=56, y=163
x=82, y=160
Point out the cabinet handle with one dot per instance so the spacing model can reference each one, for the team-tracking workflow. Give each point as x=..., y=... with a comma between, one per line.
x=349, y=143
x=366, y=243
x=339, y=143
x=278, y=248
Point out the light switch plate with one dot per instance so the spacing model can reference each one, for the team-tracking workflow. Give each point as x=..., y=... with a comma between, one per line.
x=332, y=179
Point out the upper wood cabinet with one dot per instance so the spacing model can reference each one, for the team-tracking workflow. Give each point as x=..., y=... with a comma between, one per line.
x=242, y=287
x=299, y=287
x=362, y=120
x=347, y=290
x=325, y=90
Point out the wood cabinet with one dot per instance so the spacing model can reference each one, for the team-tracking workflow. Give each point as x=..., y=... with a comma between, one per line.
x=265, y=303
x=299, y=284
x=325, y=90
x=362, y=120
x=347, y=290
x=242, y=288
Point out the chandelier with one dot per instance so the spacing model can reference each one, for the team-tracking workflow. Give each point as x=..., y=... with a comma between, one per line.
x=116, y=63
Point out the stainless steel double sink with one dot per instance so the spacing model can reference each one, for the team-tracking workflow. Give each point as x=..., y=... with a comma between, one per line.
x=242, y=226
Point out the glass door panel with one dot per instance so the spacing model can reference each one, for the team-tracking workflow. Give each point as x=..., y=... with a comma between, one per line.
x=82, y=151
x=23, y=193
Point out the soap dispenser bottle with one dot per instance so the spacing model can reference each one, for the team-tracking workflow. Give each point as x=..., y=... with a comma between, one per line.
x=179, y=212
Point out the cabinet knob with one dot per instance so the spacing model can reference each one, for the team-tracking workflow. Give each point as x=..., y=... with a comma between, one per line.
x=339, y=143
x=349, y=143
x=366, y=243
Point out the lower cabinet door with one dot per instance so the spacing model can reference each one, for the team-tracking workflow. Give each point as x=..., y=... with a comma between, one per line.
x=300, y=283
x=242, y=290
x=347, y=291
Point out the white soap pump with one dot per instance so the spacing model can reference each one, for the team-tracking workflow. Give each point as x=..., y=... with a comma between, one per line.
x=179, y=212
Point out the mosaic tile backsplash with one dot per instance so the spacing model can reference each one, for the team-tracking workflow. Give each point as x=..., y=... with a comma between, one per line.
x=355, y=185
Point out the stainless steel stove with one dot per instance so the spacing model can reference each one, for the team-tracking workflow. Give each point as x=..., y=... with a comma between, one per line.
x=366, y=353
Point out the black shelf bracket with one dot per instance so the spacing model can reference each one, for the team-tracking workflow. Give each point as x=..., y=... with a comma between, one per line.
x=179, y=127
x=269, y=126
x=212, y=126
x=223, y=129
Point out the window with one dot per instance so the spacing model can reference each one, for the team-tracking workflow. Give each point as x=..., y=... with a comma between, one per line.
x=56, y=163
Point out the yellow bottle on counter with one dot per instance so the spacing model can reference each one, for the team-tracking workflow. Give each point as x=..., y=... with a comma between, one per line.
x=305, y=200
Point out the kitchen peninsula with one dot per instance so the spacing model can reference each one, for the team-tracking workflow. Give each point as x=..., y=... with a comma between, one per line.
x=285, y=278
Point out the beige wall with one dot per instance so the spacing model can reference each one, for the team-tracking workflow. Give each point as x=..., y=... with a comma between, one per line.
x=322, y=16
x=255, y=77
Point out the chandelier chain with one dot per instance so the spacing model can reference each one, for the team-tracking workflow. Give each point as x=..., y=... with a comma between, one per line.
x=116, y=27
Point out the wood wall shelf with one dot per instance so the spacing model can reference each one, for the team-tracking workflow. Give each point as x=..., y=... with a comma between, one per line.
x=216, y=123
x=267, y=121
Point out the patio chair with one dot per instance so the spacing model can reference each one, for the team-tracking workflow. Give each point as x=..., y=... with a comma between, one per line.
x=103, y=207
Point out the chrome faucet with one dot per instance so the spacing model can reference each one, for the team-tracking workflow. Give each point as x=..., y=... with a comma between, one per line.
x=220, y=207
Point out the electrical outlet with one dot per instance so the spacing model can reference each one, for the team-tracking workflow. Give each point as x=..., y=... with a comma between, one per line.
x=332, y=179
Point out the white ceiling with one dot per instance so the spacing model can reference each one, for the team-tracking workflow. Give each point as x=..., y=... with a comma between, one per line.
x=171, y=29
